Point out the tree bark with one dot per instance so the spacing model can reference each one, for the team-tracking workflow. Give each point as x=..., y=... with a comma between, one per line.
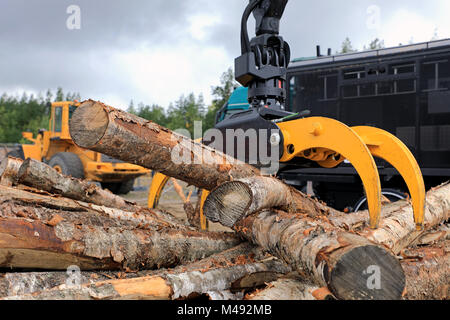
x=22, y=283
x=434, y=236
x=285, y=289
x=398, y=231
x=254, y=280
x=323, y=253
x=212, y=277
x=38, y=175
x=233, y=200
x=428, y=273
x=9, y=169
x=42, y=232
x=113, y=132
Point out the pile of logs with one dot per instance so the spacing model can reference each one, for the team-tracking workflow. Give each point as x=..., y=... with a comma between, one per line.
x=64, y=238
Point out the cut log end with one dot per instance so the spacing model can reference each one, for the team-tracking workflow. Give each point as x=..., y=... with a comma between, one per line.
x=90, y=122
x=228, y=203
x=367, y=273
x=9, y=169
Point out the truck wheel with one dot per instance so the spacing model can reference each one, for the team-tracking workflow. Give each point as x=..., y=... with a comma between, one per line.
x=120, y=187
x=18, y=153
x=391, y=194
x=126, y=186
x=68, y=164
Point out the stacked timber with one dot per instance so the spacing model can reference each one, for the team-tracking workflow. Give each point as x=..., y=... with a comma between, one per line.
x=282, y=244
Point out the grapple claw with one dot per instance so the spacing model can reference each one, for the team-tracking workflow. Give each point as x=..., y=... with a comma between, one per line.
x=329, y=142
x=159, y=180
x=157, y=185
x=388, y=147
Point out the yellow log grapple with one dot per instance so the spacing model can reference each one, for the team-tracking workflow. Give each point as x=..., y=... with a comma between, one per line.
x=327, y=142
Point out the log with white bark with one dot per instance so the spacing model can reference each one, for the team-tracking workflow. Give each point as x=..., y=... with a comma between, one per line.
x=398, y=231
x=9, y=169
x=38, y=175
x=33, y=196
x=22, y=283
x=427, y=272
x=441, y=233
x=290, y=289
x=326, y=255
x=124, y=136
x=42, y=232
x=233, y=200
x=211, y=277
x=236, y=199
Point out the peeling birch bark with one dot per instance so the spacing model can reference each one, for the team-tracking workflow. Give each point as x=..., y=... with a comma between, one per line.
x=233, y=200
x=285, y=289
x=326, y=255
x=38, y=175
x=212, y=276
x=428, y=272
x=38, y=233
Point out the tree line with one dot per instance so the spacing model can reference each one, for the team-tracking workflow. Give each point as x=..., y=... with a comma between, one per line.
x=27, y=113
x=183, y=113
x=31, y=113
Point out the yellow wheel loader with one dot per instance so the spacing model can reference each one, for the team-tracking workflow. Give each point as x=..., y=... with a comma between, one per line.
x=299, y=140
x=56, y=148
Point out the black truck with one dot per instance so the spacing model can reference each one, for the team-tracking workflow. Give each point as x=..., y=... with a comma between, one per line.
x=404, y=90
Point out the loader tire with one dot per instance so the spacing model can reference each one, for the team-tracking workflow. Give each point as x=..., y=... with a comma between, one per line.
x=68, y=164
x=119, y=188
x=18, y=153
x=126, y=187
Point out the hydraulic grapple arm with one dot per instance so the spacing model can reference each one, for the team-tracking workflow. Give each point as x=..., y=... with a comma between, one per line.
x=263, y=64
x=262, y=67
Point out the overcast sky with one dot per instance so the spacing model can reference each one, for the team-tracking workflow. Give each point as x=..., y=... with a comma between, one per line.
x=156, y=50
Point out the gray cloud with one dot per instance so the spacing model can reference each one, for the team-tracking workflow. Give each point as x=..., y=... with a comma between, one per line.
x=37, y=51
x=42, y=23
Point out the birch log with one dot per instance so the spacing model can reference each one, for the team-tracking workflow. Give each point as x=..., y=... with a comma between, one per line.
x=42, y=232
x=211, y=277
x=38, y=175
x=398, y=230
x=113, y=132
x=22, y=283
x=233, y=200
x=288, y=289
x=321, y=252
